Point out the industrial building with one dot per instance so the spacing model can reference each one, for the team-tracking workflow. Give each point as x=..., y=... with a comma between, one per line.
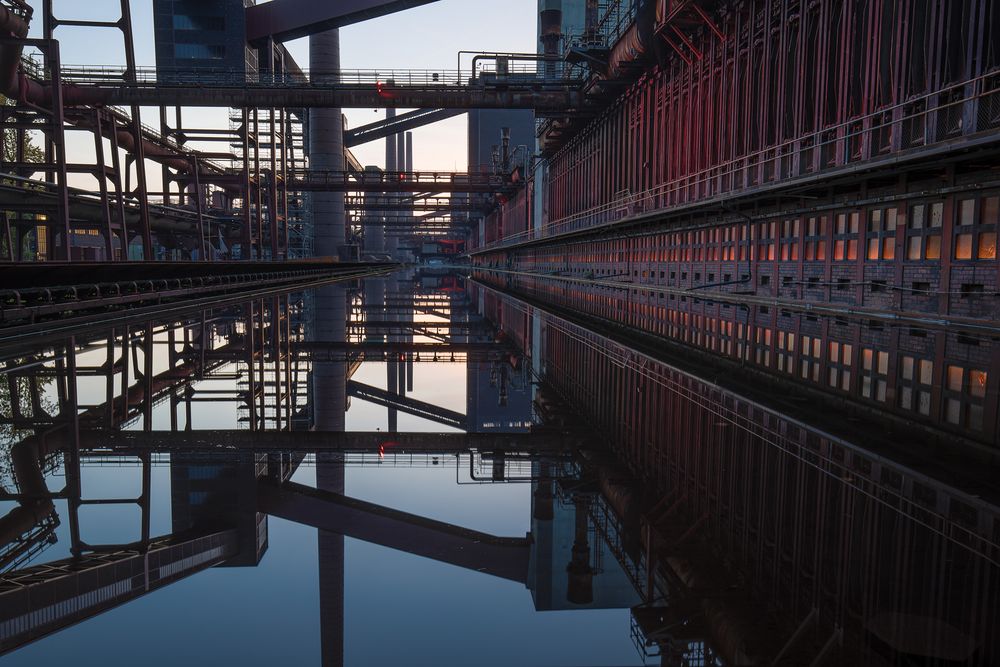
x=712, y=305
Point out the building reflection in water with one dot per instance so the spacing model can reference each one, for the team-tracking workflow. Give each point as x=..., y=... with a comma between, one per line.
x=737, y=530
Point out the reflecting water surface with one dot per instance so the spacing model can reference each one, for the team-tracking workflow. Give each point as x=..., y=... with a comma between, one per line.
x=431, y=468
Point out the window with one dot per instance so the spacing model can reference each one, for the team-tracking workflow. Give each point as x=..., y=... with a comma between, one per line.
x=915, y=380
x=816, y=239
x=840, y=360
x=790, y=240
x=194, y=22
x=881, y=234
x=763, y=347
x=786, y=352
x=874, y=374
x=200, y=51
x=845, y=236
x=810, y=358
x=964, y=391
x=976, y=230
x=923, y=232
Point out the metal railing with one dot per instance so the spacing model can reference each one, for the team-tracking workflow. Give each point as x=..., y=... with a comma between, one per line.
x=414, y=78
x=774, y=164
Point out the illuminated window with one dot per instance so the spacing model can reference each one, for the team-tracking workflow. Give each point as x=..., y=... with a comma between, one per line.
x=786, y=352
x=881, y=234
x=845, y=236
x=874, y=374
x=815, y=240
x=810, y=352
x=976, y=230
x=840, y=359
x=963, y=395
x=923, y=232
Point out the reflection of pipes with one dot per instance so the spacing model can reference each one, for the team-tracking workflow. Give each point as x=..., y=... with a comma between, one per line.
x=35, y=500
x=580, y=589
x=730, y=624
x=543, y=508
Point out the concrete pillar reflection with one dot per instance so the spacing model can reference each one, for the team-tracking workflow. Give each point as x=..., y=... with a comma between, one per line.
x=391, y=242
x=329, y=403
x=580, y=589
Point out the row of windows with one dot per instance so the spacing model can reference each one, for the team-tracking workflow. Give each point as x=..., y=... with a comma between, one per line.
x=975, y=238
x=195, y=22
x=962, y=388
x=200, y=51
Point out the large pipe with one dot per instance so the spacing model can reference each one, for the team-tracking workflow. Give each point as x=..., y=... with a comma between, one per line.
x=11, y=25
x=633, y=46
x=36, y=502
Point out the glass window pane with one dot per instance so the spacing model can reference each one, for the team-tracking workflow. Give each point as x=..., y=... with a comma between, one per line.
x=907, y=365
x=954, y=378
x=937, y=214
x=933, y=247
x=975, y=417
x=913, y=247
x=963, y=246
x=905, y=398
x=987, y=246
x=917, y=217
x=953, y=411
x=988, y=215
x=889, y=248
x=966, y=210
x=924, y=402
x=977, y=383
x=873, y=247
x=883, y=363
x=926, y=371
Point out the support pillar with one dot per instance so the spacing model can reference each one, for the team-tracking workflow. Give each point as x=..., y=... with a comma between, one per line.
x=326, y=149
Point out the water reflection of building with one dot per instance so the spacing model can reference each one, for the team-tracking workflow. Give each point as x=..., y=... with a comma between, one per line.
x=773, y=534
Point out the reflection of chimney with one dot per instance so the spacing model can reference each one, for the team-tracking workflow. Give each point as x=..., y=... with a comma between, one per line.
x=543, y=509
x=590, y=22
x=550, y=34
x=580, y=589
x=505, y=150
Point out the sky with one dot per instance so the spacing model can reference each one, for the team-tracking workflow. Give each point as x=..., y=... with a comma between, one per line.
x=427, y=37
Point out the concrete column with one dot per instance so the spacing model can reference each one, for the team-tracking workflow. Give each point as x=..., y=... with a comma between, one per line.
x=391, y=242
x=326, y=148
x=406, y=381
x=329, y=403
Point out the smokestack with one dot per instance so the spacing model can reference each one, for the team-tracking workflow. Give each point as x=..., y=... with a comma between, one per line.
x=391, y=241
x=505, y=149
x=550, y=24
